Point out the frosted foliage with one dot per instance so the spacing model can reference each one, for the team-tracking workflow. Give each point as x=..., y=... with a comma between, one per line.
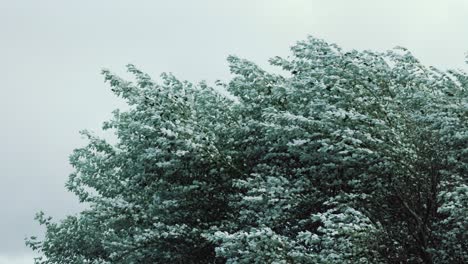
x=345, y=157
x=454, y=227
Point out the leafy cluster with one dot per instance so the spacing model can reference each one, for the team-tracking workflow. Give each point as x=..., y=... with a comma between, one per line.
x=345, y=157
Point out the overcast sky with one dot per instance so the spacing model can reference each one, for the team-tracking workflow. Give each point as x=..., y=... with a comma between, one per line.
x=51, y=53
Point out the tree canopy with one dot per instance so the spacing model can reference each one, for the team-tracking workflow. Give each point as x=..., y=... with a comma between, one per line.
x=343, y=157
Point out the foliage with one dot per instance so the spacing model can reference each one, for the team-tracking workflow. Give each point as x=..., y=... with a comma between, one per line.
x=345, y=157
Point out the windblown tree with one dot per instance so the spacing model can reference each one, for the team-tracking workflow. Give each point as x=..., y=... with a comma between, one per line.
x=345, y=157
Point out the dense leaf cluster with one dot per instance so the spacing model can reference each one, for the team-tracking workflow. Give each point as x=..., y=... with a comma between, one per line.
x=346, y=157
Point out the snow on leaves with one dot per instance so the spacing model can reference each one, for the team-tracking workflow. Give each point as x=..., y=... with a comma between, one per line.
x=349, y=157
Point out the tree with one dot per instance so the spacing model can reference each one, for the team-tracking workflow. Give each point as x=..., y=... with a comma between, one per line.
x=345, y=157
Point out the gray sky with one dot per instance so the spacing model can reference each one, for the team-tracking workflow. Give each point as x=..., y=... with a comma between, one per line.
x=51, y=53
